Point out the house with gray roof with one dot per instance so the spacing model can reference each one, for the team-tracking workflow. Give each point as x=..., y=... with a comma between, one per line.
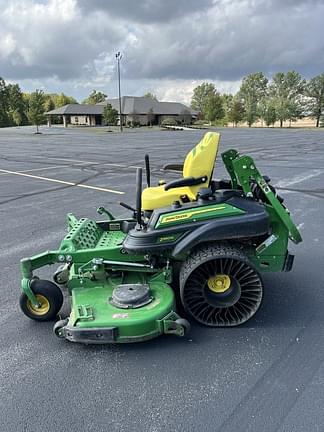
x=135, y=111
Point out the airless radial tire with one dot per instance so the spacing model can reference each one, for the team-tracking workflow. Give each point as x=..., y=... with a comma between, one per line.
x=219, y=287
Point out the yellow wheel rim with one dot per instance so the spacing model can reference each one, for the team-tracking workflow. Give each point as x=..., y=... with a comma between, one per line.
x=219, y=283
x=42, y=309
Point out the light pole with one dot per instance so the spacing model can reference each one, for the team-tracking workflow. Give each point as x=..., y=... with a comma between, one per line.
x=119, y=56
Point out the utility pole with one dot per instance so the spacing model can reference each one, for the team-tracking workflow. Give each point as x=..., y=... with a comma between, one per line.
x=119, y=56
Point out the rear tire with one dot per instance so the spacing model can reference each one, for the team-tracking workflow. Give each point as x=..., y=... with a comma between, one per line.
x=219, y=287
x=50, y=298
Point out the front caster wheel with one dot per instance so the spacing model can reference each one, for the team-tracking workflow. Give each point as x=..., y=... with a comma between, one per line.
x=61, y=275
x=58, y=326
x=184, y=324
x=219, y=287
x=50, y=299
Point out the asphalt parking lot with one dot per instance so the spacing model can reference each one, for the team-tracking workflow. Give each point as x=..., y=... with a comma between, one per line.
x=267, y=375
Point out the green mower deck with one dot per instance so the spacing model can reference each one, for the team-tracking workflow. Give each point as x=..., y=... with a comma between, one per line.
x=95, y=319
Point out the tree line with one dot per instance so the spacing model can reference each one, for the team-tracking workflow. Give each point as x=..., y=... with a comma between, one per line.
x=285, y=97
x=18, y=108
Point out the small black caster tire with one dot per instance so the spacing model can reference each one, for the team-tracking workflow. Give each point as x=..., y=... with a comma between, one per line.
x=57, y=329
x=185, y=325
x=50, y=298
x=61, y=275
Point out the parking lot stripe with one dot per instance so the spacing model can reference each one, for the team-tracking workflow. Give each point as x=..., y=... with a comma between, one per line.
x=97, y=163
x=62, y=182
x=298, y=179
x=38, y=169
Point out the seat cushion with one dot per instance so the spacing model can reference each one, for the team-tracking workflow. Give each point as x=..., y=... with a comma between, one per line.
x=157, y=197
x=198, y=163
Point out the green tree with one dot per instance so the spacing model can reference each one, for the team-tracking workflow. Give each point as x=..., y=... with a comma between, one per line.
x=214, y=109
x=252, y=90
x=227, y=102
x=269, y=114
x=110, y=115
x=49, y=104
x=315, y=91
x=4, y=118
x=95, y=97
x=236, y=112
x=200, y=96
x=286, y=90
x=150, y=95
x=36, y=109
x=61, y=99
x=262, y=107
x=17, y=117
x=26, y=98
x=16, y=105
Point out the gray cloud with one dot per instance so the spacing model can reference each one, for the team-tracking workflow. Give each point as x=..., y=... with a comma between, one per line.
x=232, y=39
x=53, y=38
x=74, y=41
x=147, y=11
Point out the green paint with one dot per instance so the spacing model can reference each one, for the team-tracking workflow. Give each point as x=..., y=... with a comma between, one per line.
x=133, y=324
x=246, y=171
x=228, y=158
x=270, y=256
x=87, y=246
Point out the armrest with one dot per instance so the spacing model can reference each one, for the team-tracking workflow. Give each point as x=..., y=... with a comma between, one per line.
x=188, y=181
x=173, y=167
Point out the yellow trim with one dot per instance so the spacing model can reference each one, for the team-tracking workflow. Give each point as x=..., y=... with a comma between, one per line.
x=188, y=215
x=42, y=309
x=219, y=283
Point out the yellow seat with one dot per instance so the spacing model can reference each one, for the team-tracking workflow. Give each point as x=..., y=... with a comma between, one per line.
x=199, y=162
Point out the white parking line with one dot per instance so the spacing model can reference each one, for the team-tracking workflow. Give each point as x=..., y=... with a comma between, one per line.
x=97, y=163
x=73, y=160
x=62, y=182
x=37, y=169
x=298, y=179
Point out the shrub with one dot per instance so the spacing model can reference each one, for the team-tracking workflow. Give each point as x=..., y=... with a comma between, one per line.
x=169, y=121
x=220, y=123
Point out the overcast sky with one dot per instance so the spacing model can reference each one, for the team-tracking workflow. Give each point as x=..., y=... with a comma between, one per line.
x=168, y=46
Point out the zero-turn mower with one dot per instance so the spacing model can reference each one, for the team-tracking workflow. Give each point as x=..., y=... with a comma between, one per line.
x=202, y=241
